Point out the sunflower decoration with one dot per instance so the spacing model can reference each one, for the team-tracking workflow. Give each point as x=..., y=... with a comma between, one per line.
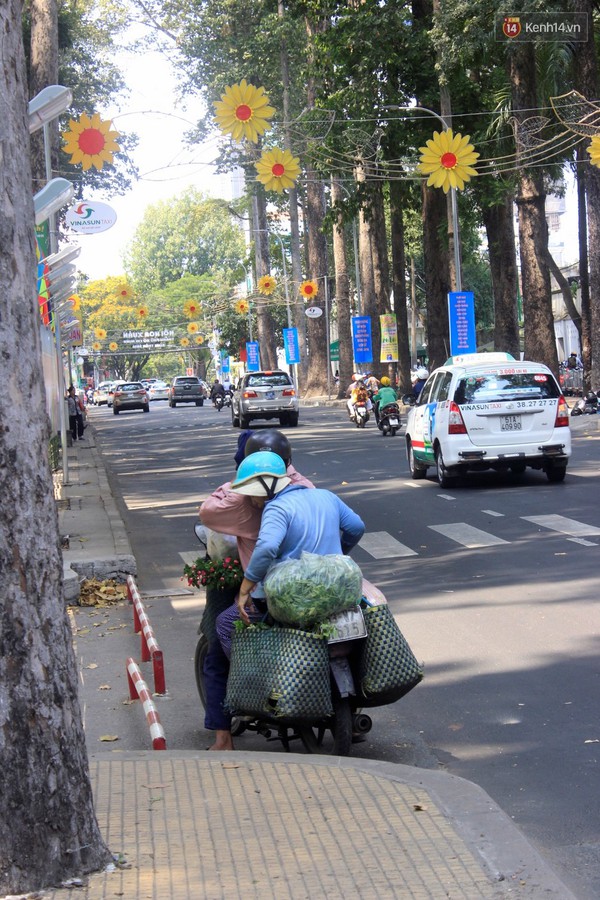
x=243, y=111
x=185, y=342
x=242, y=307
x=192, y=309
x=199, y=339
x=448, y=160
x=309, y=289
x=90, y=141
x=123, y=292
x=594, y=151
x=277, y=169
x=143, y=312
x=113, y=346
x=100, y=334
x=75, y=301
x=96, y=346
x=193, y=328
x=266, y=285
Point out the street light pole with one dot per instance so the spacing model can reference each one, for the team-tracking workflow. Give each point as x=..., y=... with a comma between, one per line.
x=453, y=203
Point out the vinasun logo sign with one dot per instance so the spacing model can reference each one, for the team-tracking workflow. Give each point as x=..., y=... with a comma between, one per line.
x=91, y=217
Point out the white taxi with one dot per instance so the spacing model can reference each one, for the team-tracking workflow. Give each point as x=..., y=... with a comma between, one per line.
x=488, y=411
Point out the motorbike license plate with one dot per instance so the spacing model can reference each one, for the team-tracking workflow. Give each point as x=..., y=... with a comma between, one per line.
x=394, y=423
x=349, y=626
x=510, y=423
x=270, y=395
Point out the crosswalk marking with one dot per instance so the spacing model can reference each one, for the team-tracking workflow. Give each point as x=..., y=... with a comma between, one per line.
x=467, y=535
x=563, y=525
x=381, y=545
x=492, y=512
x=583, y=542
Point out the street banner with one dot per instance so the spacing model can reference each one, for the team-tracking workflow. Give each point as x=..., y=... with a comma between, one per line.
x=461, y=314
x=291, y=347
x=389, y=338
x=224, y=362
x=361, y=339
x=252, y=352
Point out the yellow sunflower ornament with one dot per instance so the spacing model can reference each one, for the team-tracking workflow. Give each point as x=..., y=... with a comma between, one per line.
x=277, y=169
x=123, y=292
x=113, y=346
x=242, y=307
x=243, y=111
x=96, y=346
x=448, y=160
x=192, y=308
x=266, y=285
x=185, y=342
x=594, y=151
x=199, y=339
x=90, y=141
x=142, y=312
x=192, y=328
x=100, y=334
x=309, y=289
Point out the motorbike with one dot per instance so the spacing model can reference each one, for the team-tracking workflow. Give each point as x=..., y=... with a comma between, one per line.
x=332, y=735
x=360, y=414
x=389, y=419
x=587, y=405
x=219, y=402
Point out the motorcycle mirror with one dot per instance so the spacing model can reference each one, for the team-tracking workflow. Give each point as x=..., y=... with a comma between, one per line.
x=408, y=399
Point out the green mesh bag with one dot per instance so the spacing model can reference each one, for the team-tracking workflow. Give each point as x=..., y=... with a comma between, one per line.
x=279, y=673
x=387, y=667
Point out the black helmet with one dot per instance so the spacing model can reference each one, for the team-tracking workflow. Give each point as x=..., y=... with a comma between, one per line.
x=591, y=397
x=269, y=439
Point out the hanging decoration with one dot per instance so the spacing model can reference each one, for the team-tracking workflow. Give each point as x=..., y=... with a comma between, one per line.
x=594, y=151
x=277, y=169
x=192, y=328
x=266, y=285
x=185, y=342
x=123, y=292
x=243, y=111
x=90, y=141
x=75, y=301
x=192, y=309
x=100, y=334
x=448, y=160
x=96, y=346
x=113, y=346
x=143, y=312
x=199, y=339
x=309, y=289
x=242, y=307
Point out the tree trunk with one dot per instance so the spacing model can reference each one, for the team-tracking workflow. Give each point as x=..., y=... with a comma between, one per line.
x=538, y=320
x=43, y=72
x=370, y=280
x=342, y=295
x=399, y=283
x=48, y=829
x=264, y=321
x=435, y=255
x=584, y=273
x=498, y=221
x=316, y=329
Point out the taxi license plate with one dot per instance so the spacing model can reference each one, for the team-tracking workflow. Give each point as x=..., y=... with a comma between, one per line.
x=349, y=625
x=510, y=423
x=270, y=395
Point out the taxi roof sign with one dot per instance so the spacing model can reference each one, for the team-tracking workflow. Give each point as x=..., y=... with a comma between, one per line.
x=479, y=358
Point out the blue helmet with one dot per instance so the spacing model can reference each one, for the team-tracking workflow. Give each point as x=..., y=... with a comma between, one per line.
x=262, y=474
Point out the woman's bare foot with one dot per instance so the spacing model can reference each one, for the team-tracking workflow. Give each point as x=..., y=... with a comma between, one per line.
x=223, y=741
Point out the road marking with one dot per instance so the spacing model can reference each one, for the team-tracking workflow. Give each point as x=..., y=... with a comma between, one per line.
x=381, y=545
x=467, y=535
x=583, y=542
x=563, y=525
x=492, y=512
x=446, y=497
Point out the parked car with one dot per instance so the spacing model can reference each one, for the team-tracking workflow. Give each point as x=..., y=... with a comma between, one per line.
x=158, y=390
x=100, y=395
x=488, y=411
x=265, y=395
x=186, y=389
x=130, y=395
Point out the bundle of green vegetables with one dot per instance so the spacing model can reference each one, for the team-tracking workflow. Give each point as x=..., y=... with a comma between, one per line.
x=307, y=590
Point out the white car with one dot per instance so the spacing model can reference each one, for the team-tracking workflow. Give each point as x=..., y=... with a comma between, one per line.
x=158, y=390
x=488, y=411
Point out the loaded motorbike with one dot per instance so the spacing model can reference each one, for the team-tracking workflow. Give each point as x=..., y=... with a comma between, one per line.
x=347, y=723
x=586, y=405
x=359, y=413
x=389, y=419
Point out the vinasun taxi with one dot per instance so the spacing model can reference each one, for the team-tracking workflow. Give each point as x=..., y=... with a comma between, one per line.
x=488, y=411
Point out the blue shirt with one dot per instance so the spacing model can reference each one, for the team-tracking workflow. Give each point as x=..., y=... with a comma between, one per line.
x=299, y=519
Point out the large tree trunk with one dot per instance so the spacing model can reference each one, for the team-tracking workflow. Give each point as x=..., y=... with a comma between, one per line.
x=48, y=830
x=399, y=283
x=342, y=294
x=43, y=72
x=539, y=336
x=435, y=255
x=369, y=256
x=498, y=221
x=264, y=320
x=317, y=329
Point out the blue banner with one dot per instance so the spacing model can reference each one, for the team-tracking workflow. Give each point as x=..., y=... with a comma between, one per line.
x=253, y=356
x=461, y=315
x=290, y=344
x=224, y=362
x=361, y=339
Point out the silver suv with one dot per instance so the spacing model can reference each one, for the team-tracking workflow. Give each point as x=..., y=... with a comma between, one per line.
x=264, y=395
x=186, y=389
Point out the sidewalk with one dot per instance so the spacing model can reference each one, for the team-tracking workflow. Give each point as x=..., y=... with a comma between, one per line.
x=190, y=824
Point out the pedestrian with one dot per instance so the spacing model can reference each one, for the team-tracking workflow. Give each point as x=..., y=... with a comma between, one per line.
x=72, y=407
x=80, y=412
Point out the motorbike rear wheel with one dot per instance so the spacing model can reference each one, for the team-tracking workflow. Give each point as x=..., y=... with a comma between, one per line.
x=333, y=736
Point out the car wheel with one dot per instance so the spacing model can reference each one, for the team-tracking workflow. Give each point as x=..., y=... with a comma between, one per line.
x=556, y=474
x=234, y=419
x=146, y=408
x=417, y=471
x=445, y=480
x=518, y=468
x=293, y=420
x=115, y=411
x=200, y=402
x=244, y=422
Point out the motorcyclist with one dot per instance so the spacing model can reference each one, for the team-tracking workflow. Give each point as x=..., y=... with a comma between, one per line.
x=358, y=394
x=217, y=390
x=386, y=394
x=421, y=377
x=232, y=513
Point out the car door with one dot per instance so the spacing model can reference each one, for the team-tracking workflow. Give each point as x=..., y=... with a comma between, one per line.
x=422, y=421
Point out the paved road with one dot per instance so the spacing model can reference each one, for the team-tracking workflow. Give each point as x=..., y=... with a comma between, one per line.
x=495, y=584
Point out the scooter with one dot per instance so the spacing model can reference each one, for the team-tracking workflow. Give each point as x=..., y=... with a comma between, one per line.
x=587, y=405
x=389, y=419
x=360, y=414
x=219, y=402
x=334, y=734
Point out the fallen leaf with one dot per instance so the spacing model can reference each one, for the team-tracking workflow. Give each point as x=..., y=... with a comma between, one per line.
x=418, y=807
x=109, y=737
x=230, y=765
x=104, y=687
x=92, y=666
x=456, y=726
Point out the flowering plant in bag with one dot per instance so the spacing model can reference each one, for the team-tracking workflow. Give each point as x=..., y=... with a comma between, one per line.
x=217, y=573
